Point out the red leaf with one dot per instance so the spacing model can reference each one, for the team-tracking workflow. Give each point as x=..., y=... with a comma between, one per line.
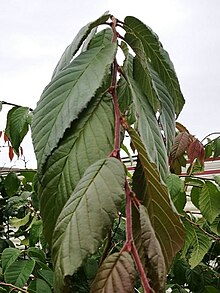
x=5, y=137
x=11, y=153
x=180, y=145
x=0, y=133
x=196, y=150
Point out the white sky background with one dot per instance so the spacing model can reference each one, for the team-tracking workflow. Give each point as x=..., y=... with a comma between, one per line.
x=34, y=33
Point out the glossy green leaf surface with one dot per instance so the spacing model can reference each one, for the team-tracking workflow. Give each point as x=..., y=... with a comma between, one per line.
x=87, y=216
x=149, y=188
x=147, y=46
x=116, y=275
x=71, y=50
x=17, y=126
x=66, y=96
x=18, y=272
x=196, y=239
x=90, y=138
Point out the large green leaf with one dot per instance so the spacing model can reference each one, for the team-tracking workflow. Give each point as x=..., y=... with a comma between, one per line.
x=66, y=96
x=86, y=217
x=90, y=138
x=198, y=241
x=116, y=275
x=102, y=38
x=156, y=267
x=19, y=272
x=209, y=201
x=71, y=50
x=39, y=286
x=147, y=46
x=17, y=126
x=154, y=194
x=149, y=129
x=9, y=255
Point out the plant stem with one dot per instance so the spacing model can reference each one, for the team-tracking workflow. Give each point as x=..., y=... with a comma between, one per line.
x=12, y=104
x=14, y=287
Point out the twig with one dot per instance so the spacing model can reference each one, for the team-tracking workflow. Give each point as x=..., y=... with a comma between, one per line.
x=14, y=287
x=12, y=104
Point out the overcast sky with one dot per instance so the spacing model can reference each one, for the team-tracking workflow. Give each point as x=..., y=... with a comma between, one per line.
x=34, y=33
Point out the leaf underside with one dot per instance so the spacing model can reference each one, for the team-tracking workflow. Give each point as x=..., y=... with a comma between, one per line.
x=87, y=217
x=116, y=275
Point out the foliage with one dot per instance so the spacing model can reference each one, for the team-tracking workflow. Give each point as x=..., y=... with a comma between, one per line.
x=87, y=225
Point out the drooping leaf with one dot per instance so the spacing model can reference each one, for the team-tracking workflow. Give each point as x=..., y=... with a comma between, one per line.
x=86, y=217
x=147, y=46
x=39, y=286
x=195, y=194
x=11, y=183
x=90, y=138
x=66, y=96
x=19, y=272
x=167, y=111
x=17, y=222
x=209, y=201
x=195, y=150
x=71, y=50
x=116, y=275
x=9, y=255
x=176, y=189
x=215, y=226
x=198, y=241
x=156, y=267
x=180, y=145
x=17, y=126
x=149, y=129
x=154, y=194
x=36, y=254
x=102, y=38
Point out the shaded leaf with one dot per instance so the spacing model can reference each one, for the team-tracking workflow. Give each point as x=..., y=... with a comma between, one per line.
x=154, y=194
x=47, y=275
x=9, y=255
x=87, y=216
x=19, y=272
x=116, y=275
x=36, y=254
x=11, y=183
x=209, y=201
x=66, y=96
x=71, y=50
x=39, y=286
x=147, y=46
x=17, y=126
x=156, y=267
x=90, y=138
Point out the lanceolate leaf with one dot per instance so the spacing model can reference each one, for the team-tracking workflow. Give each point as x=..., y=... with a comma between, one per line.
x=209, y=201
x=198, y=240
x=147, y=46
x=156, y=267
x=149, y=130
x=71, y=50
x=86, y=217
x=154, y=194
x=116, y=275
x=167, y=111
x=90, y=138
x=66, y=96
x=17, y=126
